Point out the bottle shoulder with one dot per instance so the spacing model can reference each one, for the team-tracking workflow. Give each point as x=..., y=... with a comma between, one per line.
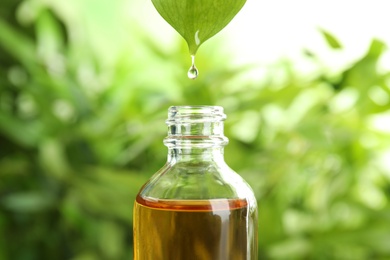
x=196, y=180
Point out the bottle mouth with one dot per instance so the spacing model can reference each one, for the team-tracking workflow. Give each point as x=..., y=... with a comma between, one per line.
x=195, y=114
x=195, y=127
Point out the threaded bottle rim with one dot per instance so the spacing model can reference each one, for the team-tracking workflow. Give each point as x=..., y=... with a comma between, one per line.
x=195, y=127
x=195, y=114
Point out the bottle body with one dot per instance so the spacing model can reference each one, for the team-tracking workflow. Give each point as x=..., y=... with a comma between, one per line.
x=195, y=207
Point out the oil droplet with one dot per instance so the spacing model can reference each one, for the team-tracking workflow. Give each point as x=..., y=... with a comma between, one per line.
x=193, y=71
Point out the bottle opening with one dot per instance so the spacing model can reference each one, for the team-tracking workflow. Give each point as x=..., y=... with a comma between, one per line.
x=194, y=114
x=195, y=127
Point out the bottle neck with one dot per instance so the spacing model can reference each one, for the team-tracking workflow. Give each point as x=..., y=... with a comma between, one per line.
x=201, y=141
x=195, y=134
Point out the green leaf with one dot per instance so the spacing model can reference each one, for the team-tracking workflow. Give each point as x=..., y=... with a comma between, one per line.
x=17, y=44
x=198, y=20
x=331, y=40
x=50, y=38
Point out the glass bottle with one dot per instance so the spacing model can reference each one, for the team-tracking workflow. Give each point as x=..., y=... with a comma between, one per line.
x=195, y=207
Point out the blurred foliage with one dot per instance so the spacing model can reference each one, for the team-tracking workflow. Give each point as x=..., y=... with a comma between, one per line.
x=82, y=121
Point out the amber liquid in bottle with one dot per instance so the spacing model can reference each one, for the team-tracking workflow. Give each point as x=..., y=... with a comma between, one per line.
x=214, y=229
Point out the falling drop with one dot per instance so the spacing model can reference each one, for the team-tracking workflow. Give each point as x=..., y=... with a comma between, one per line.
x=193, y=71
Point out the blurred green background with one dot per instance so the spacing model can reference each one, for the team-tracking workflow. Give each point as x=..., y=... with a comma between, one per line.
x=84, y=92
